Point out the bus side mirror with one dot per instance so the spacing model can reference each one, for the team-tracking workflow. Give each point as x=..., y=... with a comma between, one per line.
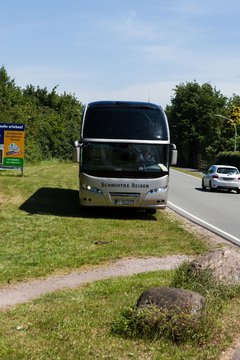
x=76, y=152
x=173, y=154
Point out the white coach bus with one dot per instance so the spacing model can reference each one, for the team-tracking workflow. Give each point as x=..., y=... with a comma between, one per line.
x=124, y=153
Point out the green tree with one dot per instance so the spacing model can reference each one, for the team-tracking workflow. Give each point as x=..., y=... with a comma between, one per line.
x=195, y=129
x=232, y=126
x=10, y=98
x=52, y=121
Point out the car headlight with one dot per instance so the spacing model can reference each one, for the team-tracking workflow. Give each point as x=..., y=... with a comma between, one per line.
x=91, y=188
x=157, y=190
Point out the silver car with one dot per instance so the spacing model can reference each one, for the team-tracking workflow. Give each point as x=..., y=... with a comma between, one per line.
x=221, y=177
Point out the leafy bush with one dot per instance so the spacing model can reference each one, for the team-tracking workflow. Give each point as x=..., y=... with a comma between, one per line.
x=229, y=158
x=52, y=121
x=152, y=322
x=33, y=151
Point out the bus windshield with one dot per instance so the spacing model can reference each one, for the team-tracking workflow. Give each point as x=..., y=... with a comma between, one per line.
x=129, y=160
x=125, y=122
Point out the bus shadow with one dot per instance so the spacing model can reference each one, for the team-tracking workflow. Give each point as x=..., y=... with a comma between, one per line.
x=65, y=203
x=52, y=201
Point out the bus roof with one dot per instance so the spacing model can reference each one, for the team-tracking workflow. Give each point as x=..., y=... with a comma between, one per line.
x=124, y=120
x=137, y=104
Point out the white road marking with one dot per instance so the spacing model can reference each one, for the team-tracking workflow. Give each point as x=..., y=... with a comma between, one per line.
x=213, y=228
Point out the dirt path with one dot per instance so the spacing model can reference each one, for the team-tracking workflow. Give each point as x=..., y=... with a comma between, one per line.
x=24, y=292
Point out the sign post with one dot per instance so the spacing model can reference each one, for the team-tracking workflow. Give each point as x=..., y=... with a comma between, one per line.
x=12, y=146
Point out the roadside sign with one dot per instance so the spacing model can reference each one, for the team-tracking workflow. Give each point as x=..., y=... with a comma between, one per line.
x=12, y=146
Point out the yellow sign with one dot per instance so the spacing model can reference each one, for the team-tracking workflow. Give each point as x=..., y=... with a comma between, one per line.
x=12, y=145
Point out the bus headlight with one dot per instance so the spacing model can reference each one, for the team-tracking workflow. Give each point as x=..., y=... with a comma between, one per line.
x=158, y=190
x=91, y=188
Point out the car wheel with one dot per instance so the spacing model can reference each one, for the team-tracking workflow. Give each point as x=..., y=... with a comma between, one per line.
x=210, y=186
x=238, y=191
x=203, y=186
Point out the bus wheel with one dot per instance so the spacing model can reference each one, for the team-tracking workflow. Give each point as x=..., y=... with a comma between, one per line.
x=151, y=211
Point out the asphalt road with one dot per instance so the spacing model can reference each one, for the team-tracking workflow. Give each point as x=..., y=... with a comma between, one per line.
x=217, y=211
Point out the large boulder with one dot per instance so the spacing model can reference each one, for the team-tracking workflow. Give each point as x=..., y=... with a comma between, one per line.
x=169, y=312
x=172, y=299
x=223, y=264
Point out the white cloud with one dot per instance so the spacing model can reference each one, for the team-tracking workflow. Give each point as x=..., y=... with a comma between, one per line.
x=156, y=92
x=198, y=8
x=83, y=86
x=129, y=27
x=160, y=52
x=47, y=77
x=126, y=50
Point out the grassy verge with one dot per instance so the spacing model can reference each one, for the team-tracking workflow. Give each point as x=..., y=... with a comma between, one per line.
x=189, y=172
x=77, y=324
x=43, y=231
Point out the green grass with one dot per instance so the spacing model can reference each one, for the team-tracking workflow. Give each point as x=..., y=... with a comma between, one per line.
x=43, y=231
x=188, y=172
x=77, y=324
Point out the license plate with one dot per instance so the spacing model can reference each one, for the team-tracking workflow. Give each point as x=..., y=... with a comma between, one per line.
x=123, y=202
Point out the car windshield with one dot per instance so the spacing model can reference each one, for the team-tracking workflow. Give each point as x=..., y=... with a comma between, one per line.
x=227, y=171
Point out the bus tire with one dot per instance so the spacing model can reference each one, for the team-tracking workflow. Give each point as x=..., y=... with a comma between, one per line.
x=151, y=211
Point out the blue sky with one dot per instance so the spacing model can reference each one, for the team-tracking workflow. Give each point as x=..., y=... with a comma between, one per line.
x=121, y=50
